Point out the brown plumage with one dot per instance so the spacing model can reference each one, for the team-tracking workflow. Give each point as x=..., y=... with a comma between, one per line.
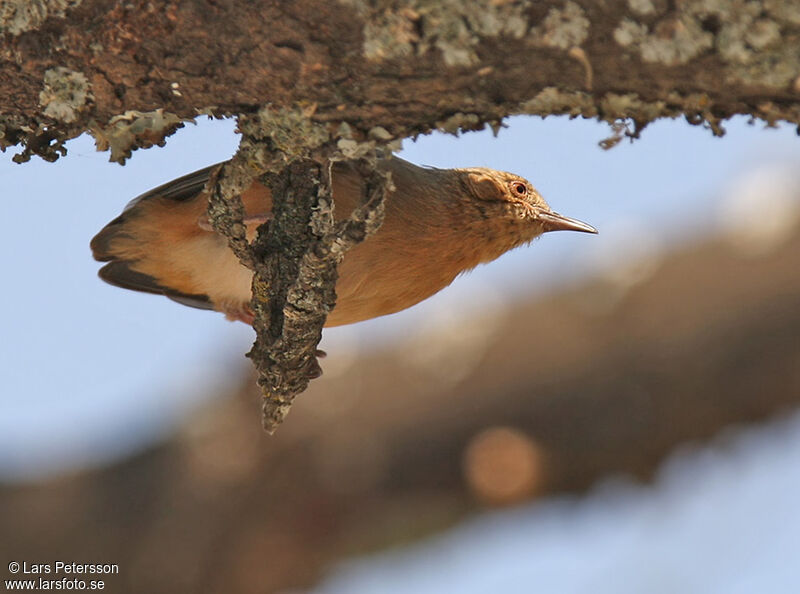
x=438, y=223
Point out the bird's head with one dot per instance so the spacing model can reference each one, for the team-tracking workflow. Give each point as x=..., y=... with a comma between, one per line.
x=504, y=197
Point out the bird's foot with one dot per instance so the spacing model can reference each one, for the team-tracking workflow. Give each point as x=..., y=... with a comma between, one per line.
x=314, y=370
x=242, y=312
x=238, y=312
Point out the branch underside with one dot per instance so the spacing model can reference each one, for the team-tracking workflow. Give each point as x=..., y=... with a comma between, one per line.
x=407, y=66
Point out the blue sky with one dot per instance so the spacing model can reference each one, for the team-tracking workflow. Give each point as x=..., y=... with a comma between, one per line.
x=91, y=372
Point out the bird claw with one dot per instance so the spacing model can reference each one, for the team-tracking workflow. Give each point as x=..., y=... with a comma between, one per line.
x=239, y=313
x=314, y=369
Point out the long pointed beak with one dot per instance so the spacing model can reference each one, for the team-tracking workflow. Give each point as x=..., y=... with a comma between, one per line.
x=552, y=221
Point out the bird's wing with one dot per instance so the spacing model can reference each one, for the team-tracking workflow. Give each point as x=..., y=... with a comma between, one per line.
x=183, y=188
x=121, y=270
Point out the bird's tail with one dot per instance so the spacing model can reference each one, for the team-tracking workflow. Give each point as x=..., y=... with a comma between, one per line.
x=156, y=245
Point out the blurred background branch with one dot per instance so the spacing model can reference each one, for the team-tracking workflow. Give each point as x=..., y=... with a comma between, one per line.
x=678, y=347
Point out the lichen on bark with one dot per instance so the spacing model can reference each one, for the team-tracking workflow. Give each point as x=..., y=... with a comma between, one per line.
x=296, y=253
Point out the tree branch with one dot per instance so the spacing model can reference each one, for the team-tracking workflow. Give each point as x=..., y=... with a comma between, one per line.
x=296, y=253
x=132, y=73
x=294, y=287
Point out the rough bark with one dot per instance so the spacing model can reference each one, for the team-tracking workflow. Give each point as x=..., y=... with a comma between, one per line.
x=297, y=251
x=312, y=80
x=131, y=72
x=296, y=271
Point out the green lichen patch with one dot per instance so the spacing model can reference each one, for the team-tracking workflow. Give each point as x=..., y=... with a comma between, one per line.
x=629, y=114
x=787, y=11
x=562, y=28
x=18, y=16
x=460, y=121
x=354, y=144
x=399, y=29
x=274, y=136
x=642, y=7
x=133, y=130
x=291, y=130
x=391, y=35
x=616, y=106
x=553, y=101
x=65, y=93
x=673, y=41
x=757, y=40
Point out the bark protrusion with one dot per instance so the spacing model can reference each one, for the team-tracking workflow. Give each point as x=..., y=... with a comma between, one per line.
x=294, y=256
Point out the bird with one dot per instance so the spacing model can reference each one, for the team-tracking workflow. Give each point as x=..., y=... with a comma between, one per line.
x=438, y=223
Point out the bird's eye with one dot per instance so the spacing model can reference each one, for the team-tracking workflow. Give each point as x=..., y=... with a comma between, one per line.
x=519, y=188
